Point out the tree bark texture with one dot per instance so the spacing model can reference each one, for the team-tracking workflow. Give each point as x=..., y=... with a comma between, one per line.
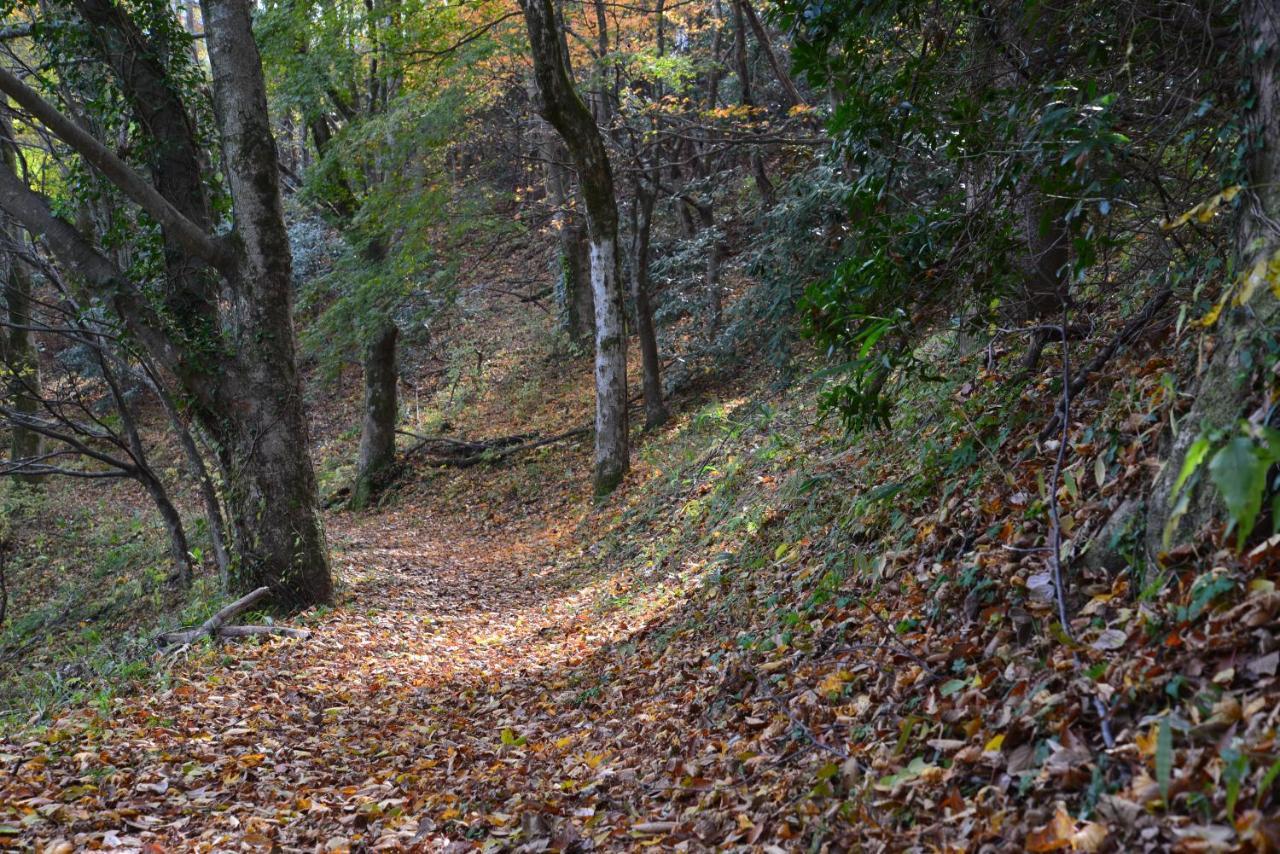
x=1227, y=391
x=378, y=432
x=655, y=412
x=273, y=499
x=21, y=360
x=574, y=302
x=235, y=363
x=560, y=104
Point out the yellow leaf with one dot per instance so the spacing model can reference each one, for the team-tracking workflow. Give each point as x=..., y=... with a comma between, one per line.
x=1146, y=743
x=994, y=744
x=1251, y=281
x=1204, y=211
x=1211, y=317
x=1055, y=835
x=835, y=682
x=1089, y=838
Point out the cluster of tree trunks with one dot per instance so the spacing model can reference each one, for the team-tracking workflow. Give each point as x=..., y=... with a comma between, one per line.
x=232, y=353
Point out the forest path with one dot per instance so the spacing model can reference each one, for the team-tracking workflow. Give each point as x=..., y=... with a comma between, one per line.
x=441, y=700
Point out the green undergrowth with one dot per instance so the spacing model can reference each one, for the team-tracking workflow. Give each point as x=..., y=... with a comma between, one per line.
x=788, y=540
x=88, y=590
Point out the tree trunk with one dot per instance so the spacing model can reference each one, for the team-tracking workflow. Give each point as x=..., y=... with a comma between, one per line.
x=1227, y=389
x=560, y=104
x=179, y=550
x=791, y=93
x=200, y=472
x=378, y=433
x=273, y=496
x=20, y=356
x=1015, y=42
x=234, y=355
x=1042, y=264
x=765, y=187
x=21, y=359
x=655, y=413
x=574, y=290
x=715, y=299
x=177, y=163
x=574, y=303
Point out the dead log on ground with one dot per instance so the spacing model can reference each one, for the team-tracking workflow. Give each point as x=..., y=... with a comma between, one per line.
x=460, y=454
x=216, y=626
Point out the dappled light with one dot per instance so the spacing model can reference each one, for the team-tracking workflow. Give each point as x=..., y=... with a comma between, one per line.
x=750, y=425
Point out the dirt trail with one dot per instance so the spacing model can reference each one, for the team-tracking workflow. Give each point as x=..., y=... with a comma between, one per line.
x=432, y=705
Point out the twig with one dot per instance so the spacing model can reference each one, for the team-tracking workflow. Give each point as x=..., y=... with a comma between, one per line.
x=799, y=724
x=1055, y=530
x=897, y=641
x=4, y=587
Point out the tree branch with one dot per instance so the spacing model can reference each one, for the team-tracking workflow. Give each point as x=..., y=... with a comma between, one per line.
x=188, y=234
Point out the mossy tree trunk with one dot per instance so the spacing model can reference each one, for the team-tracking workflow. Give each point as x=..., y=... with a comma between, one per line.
x=1228, y=389
x=560, y=104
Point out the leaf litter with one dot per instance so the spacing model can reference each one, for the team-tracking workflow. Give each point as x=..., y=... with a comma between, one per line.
x=708, y=665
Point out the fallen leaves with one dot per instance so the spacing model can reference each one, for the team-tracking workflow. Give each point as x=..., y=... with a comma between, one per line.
x=613, y=679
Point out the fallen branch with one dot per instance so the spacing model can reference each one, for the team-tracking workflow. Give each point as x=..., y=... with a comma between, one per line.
x=246, y=631
x=464, y=454
x=216, y=626
x=447, y=447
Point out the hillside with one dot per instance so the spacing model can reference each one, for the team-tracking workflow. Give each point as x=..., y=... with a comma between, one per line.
x=771, y=637
x=751, y=426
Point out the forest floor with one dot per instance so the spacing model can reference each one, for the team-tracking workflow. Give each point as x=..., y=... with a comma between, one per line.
x=443, y=695
x=771, y=638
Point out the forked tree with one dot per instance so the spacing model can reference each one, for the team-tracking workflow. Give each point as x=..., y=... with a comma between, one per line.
x=220, y=321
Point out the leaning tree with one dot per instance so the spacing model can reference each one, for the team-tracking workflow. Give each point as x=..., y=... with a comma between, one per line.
x=562, y=106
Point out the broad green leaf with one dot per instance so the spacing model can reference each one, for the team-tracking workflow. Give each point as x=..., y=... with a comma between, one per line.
x=1267, y=779
x=1195, y=455
x=1175, y=515
x=954, y=686
x=1164, y=757
x=1241, y=476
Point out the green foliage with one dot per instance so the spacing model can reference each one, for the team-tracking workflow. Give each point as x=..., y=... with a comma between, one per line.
x=965, y=134
x=1239, y=464
x=380, y=122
